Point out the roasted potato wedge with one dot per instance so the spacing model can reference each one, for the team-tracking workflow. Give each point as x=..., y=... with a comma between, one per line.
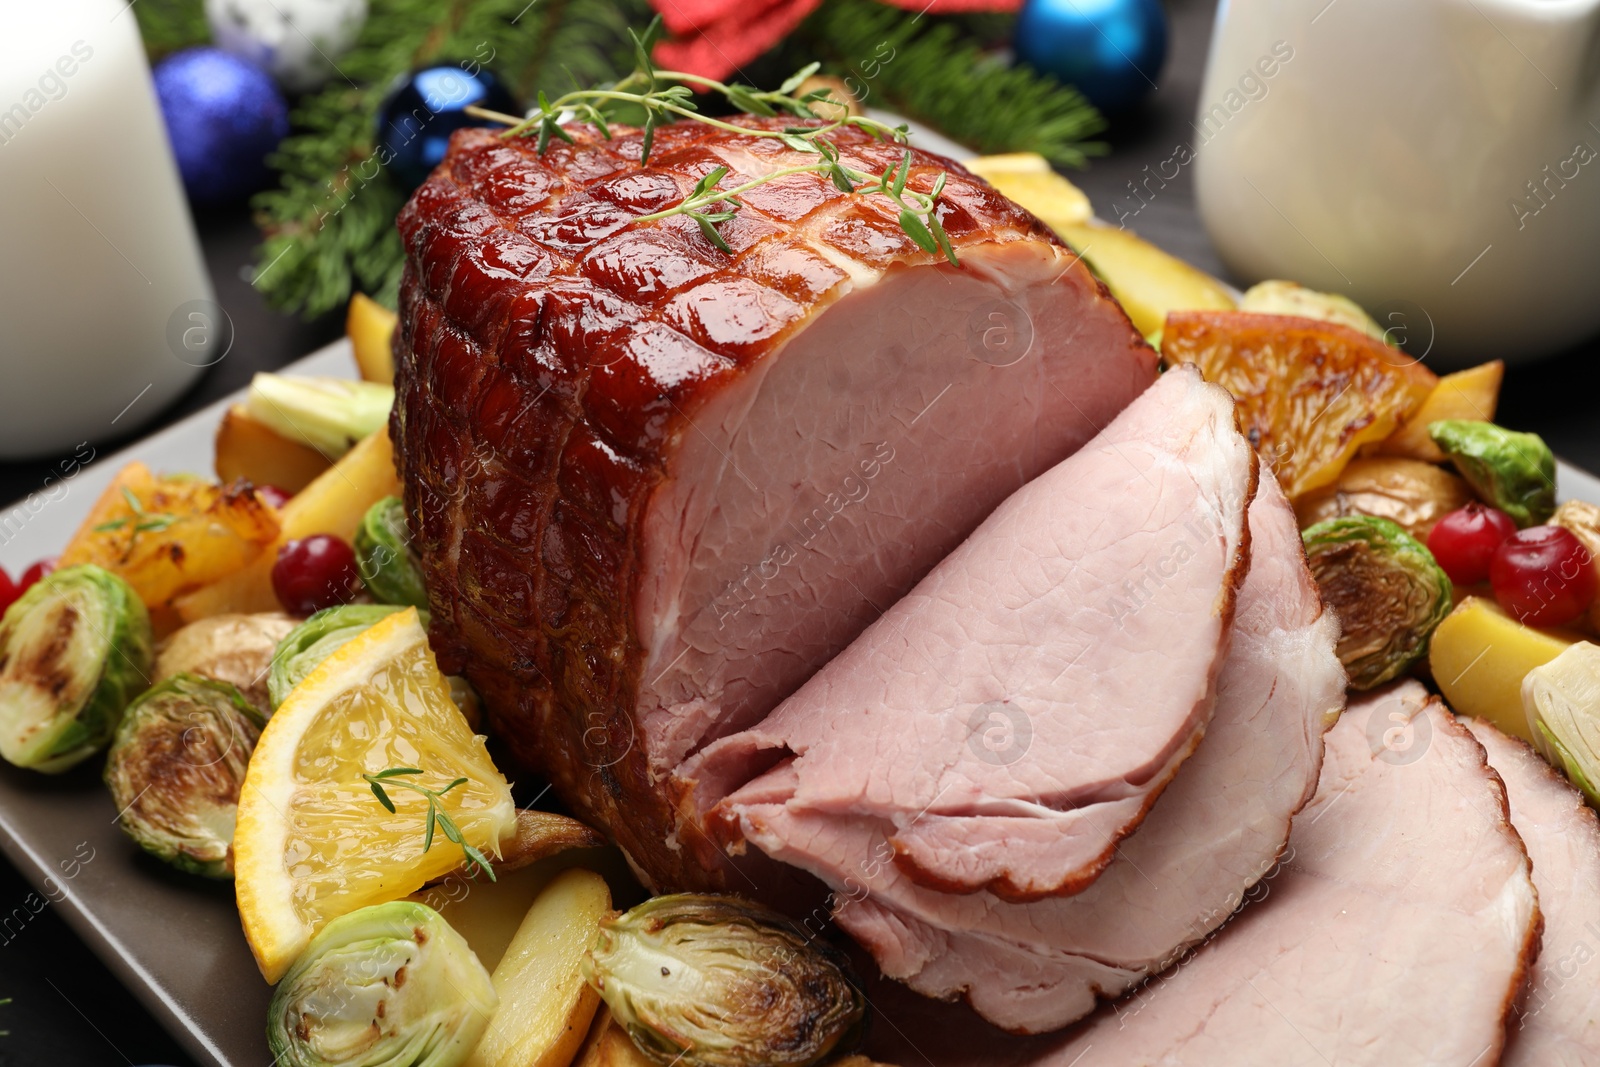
x=370, y=325
x=1479, y=656
x=236, y=649
x=250, y=449
x=1148, y=282
x=546, y=1007
x=1407, y=491
x=1467, y=394
x=608, y=1045
x=169, y=535
x=1028, y=179
x=333, y=504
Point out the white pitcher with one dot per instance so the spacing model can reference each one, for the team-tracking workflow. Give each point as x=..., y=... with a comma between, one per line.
x=1438, y=161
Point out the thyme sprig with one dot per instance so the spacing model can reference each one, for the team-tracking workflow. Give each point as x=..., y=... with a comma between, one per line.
x=142, y=520
x=666, y=96
x=436, y=815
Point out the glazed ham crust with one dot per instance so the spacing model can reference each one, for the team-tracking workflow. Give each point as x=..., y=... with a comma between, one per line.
x=581, y=402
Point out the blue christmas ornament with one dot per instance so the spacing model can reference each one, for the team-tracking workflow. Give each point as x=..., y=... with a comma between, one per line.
x=425, y=108
x=1112, y=50
x=223, y=118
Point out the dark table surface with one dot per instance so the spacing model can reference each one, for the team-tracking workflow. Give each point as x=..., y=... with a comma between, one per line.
x=66, y=1009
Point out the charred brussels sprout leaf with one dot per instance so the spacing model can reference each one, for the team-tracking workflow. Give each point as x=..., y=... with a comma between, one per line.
x=392, y=985
x=1386, y=589
x=315, y=640
x=715, y=981
x=176, y=767
x=1515, y=472
x=383, y=549
x=74, y=649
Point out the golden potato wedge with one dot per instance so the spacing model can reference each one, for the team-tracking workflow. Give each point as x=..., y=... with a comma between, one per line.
x=170, y=535
x=608, y=1045
x=1479, y=656
x=546, y=1007
x=1027, y=178
x=236, y=649
x=1407, y=491
x=1145, y=280
x=250, y=449
x=333, y=504
x=1466, y=394
x=370, y=325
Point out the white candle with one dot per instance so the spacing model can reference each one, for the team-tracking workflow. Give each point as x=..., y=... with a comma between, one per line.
x=106, y=312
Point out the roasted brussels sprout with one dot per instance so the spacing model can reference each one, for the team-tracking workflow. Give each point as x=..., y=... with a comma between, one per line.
x=383, y=552
x=227, y=648
x=175, y=769
x=1562, y=702
x=716, y=981
x=1514, y=472
x=392, y=985
x=1414, y=494
x=328, y=414
x=316, y=639
x=1287, y=298
x=1385, y=588
x=74, y=649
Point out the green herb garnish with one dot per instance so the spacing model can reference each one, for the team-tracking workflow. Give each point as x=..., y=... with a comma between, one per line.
x=666, y=96
x=437, y=816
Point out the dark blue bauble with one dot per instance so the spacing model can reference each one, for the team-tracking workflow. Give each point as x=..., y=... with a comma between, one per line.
x=1112, y=50
x=224, y=116
x=424, y=108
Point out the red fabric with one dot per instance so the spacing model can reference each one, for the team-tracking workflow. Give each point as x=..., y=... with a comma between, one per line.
x=713, y=38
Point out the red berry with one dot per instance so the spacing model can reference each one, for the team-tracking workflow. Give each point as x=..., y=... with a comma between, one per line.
x=1544, y=576
x=32, y=575
x=315, y=572
x=272, y=496
x=1464, y=541
x=8, y=590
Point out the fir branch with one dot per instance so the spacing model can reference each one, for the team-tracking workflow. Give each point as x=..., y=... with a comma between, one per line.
x=168, y=25
x=927, y=70
x=329, y=226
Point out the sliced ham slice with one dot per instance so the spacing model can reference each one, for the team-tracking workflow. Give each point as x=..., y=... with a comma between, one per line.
x=1558, y=1022
x=1217, y=830
x=1015, y=716
x=1399, y=931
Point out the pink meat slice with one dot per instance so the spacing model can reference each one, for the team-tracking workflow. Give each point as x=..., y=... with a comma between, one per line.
x=1216, y=831
x=1558, y=1022
x=1399, y=931
x=1015, y=715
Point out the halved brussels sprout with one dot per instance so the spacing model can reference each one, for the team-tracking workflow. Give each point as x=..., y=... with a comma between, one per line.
x=74, y=649
x=328, y=414
x=383, y=551
x=392, y=985
x=1515, y=472
x=314, y=640
x=227, y=648
x=1386, y=589
x=716, y=981
x=1562, y=702
x=176, y=767
x=1287, y=298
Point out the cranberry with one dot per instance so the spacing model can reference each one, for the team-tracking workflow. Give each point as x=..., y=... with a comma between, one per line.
x=31, y=576
x=315, y=572
x=272, y=496
x=8, y=590
x=1543, y=575
x=1464, y=541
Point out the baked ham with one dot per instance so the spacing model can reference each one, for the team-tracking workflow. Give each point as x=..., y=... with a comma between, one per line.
x=1399, y=931
x=1014, y=717
x=1558, y=1022
x=1217, y=830
x=655, y=485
